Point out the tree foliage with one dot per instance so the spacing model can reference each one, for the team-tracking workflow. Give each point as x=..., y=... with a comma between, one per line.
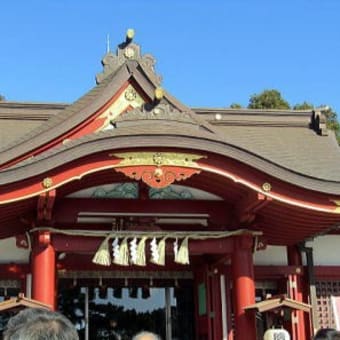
x=2, y=98
x=303, y=106
x=272, y=99
x=332, y=121
x=235, y=106
x=268, y=99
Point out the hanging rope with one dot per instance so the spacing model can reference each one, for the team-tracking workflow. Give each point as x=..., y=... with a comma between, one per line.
x=195, y=235
x=102, y=255
x=125, y=253
x=182, y=255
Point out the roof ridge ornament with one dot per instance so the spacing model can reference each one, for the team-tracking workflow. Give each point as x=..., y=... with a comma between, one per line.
x=318, y=121
x=127, y=50
x=161, y=111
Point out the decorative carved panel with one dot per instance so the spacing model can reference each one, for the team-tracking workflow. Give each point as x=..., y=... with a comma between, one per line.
x=158, y=169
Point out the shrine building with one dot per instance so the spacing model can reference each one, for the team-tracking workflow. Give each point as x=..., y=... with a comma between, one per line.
x=128, y=187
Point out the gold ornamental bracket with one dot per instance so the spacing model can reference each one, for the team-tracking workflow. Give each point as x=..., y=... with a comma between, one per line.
x=158, y=159
x=337, y=205
x=158, y=169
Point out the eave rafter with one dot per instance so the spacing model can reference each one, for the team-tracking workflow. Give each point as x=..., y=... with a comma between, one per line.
x=248, y=207
x=45, y=205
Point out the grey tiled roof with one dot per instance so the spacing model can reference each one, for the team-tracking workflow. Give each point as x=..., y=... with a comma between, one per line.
x=291, y=145
x=283, y=137
x=58, y=124
x=283, y=164
x=18, y=119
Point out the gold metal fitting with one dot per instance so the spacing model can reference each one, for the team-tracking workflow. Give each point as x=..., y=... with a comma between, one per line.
x=158, y=173
x=159, y=93
x=66, y=140
x=266, y=187
x=47, y=182
x=130, y=33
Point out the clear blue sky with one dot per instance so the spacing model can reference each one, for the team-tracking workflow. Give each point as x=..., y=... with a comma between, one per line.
x=210, y=53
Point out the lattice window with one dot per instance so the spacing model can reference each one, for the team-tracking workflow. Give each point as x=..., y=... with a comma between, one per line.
x=324, y=291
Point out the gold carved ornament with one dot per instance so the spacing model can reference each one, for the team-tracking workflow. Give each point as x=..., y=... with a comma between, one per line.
x=47, y=182
x=337, y=203
x=158, y=169
x=266, y=187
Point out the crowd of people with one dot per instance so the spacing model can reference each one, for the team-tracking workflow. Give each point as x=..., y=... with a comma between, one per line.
x=42, y=324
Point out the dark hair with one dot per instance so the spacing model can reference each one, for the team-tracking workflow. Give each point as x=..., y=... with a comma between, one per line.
x=40, y=324
x=327, y=334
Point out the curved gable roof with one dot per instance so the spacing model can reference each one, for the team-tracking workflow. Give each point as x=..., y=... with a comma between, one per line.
x=17, y=119
x=288, y=145
x=290, y=139
x=118, y=70
x=171, y=134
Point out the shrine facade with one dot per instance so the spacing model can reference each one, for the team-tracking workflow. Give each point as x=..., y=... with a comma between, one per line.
x=127, y=187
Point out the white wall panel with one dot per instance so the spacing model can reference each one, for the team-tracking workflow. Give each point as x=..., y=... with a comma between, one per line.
x=10, y=253
x=272, y=255
x=326, y=250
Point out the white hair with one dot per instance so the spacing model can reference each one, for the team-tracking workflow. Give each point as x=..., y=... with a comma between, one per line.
x=146, y=335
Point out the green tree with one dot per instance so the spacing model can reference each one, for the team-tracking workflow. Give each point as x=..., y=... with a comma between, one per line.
x=235, y=106
x=268, y=99
x=303, y=106
x=332, y=121
x=2, y=98
x=331, y=116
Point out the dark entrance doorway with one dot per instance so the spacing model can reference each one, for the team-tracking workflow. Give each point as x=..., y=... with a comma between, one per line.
x=117, y=311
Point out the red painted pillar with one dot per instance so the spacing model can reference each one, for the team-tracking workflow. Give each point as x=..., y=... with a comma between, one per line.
x=243, y=287
x=214, y=304
x=295, y=292
x=43, y=270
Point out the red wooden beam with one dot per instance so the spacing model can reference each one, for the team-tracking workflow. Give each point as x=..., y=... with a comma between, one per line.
x=45, y=205
x=83, y=262
x=274, y=272
x=82, y=244
x=66, y=210
x=327, y=272
x=13, y=271
x=247, y=207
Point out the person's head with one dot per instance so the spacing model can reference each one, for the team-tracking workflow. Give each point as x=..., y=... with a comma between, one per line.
x=327, y=334
x=146, y=336
x=39, y=324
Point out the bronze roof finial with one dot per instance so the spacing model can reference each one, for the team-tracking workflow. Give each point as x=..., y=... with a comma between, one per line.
x=130, y=33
